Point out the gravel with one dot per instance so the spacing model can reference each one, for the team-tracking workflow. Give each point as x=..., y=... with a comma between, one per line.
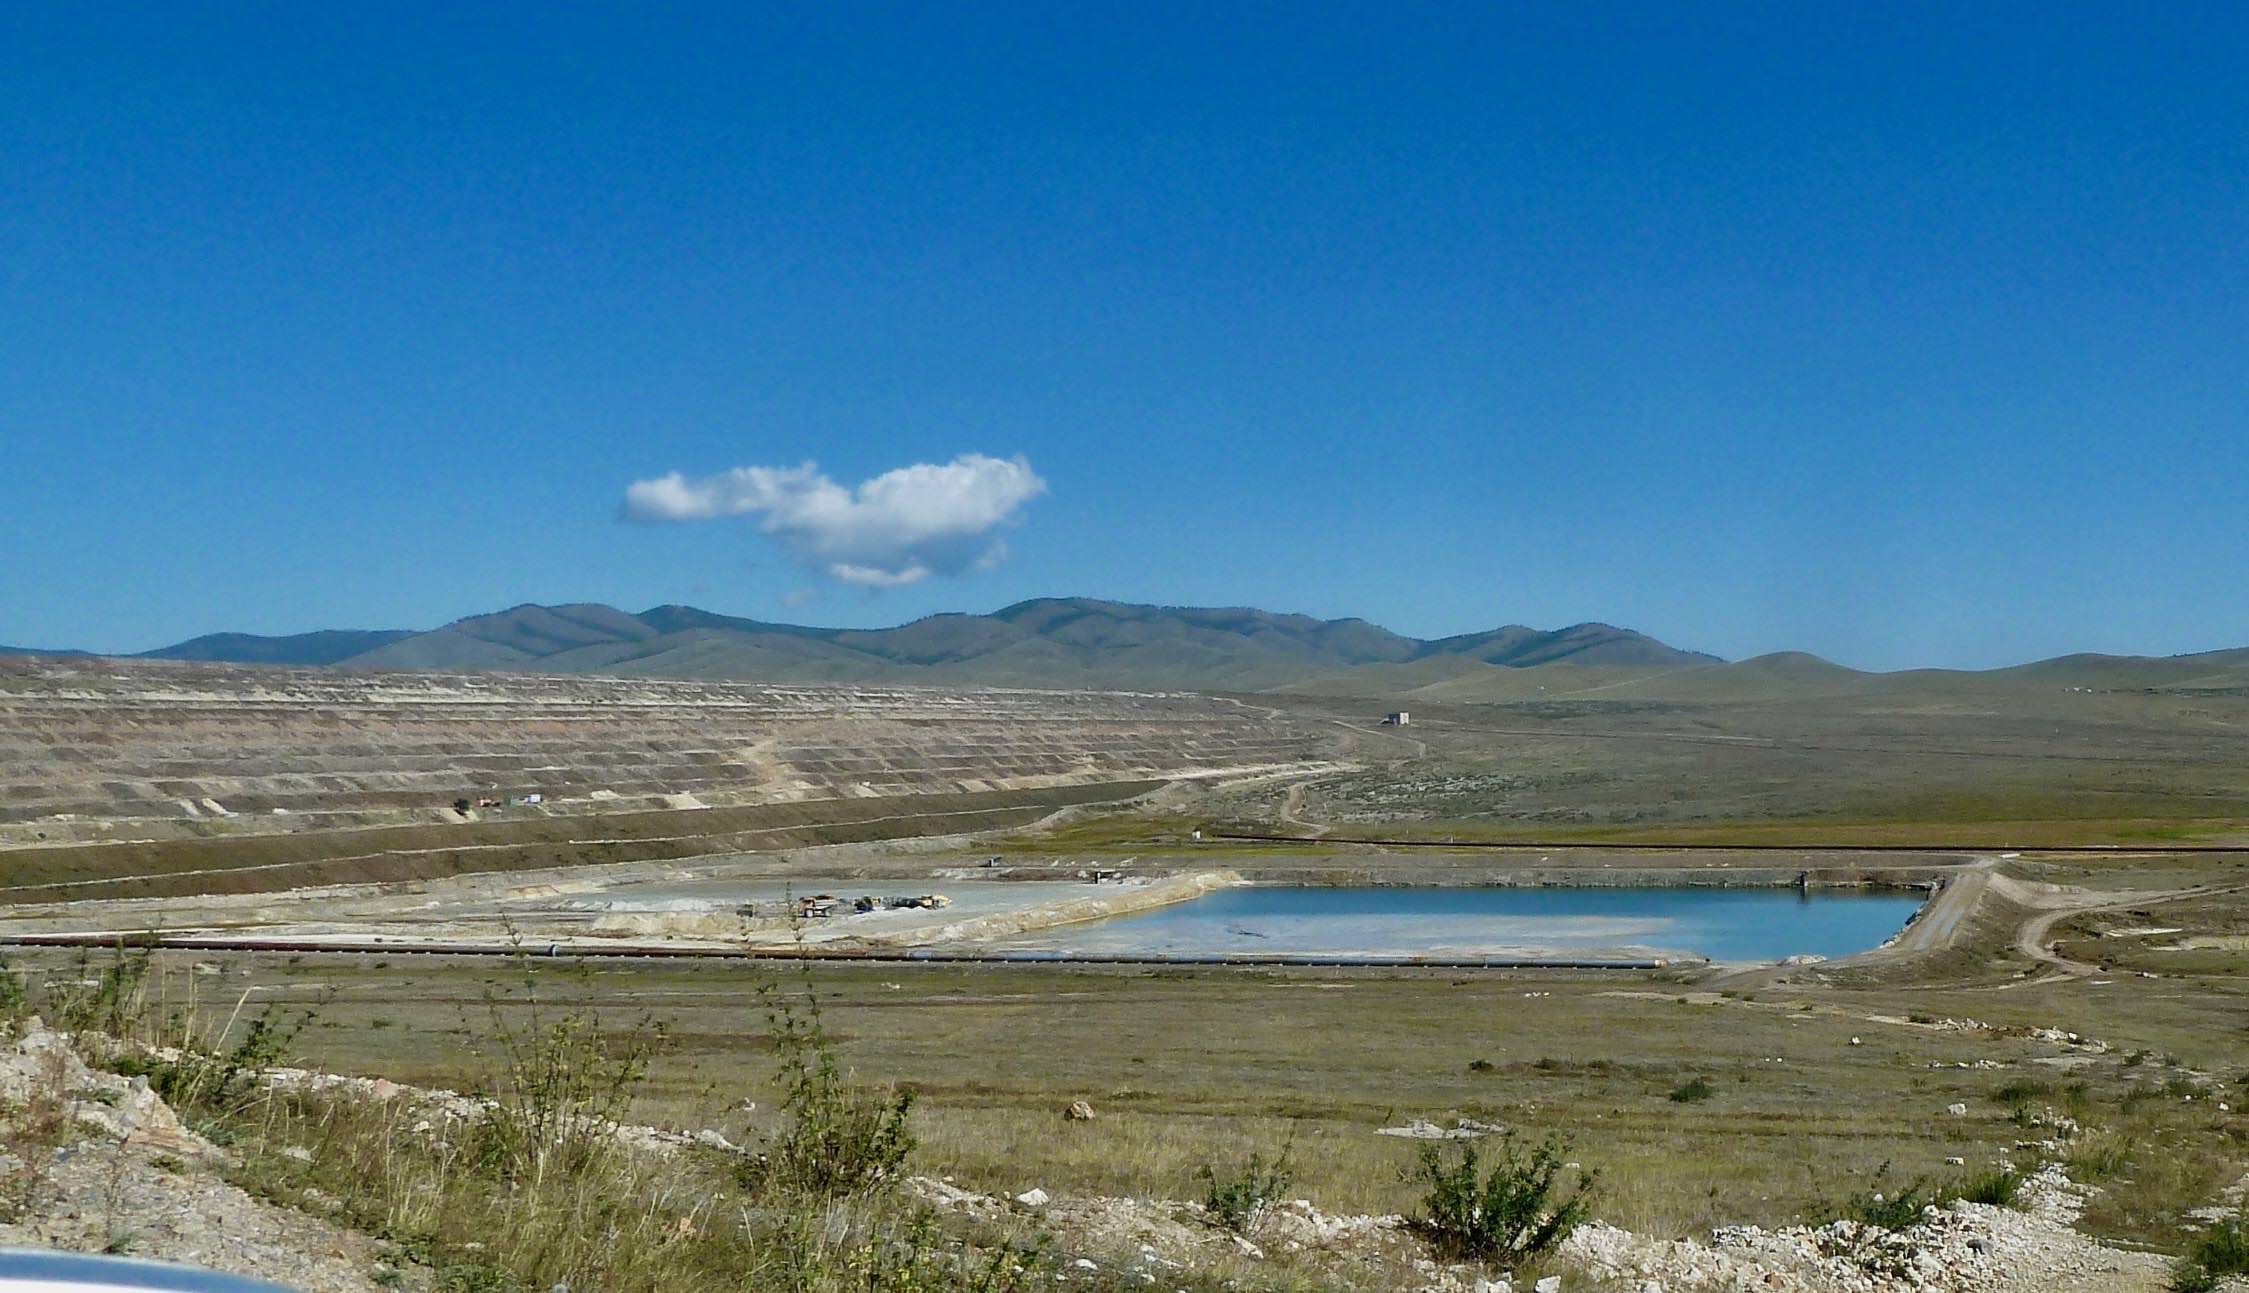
x=128, y=1178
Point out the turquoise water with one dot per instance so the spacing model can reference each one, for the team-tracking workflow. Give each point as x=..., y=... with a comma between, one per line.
x=1723, y=924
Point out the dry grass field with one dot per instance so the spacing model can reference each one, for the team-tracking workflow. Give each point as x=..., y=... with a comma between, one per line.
x=1819, y=1088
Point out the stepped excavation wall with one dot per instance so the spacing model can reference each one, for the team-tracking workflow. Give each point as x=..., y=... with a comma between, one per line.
x=149, y=758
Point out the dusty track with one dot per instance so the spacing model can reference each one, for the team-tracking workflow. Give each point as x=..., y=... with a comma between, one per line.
x=2033, y=936
x=1944, y=922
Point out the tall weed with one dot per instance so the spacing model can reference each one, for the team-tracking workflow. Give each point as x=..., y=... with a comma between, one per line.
x=838, y=1136
x=1241, y=1200
x=2221, y=1251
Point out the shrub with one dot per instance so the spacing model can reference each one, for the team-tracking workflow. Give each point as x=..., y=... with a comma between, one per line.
x=1881, y=1204
x=15, y=997
x=914, y=1259
x=1894, y=1208
x=837, y=1137
x=1509, y=1213
x=1241, y=1201
x=2099, y=1158
x=1694, y=1090
x=105, y=998
x=211, y=1078
x=476, y=1277
x=563, y=1084
x=2222, y=1250
x=2021, y=1091
x=1995, y=1186
x=30, y=1133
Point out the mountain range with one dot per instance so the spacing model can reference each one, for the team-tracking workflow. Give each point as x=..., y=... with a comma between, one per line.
x=1078, y=642
x=1083, y=642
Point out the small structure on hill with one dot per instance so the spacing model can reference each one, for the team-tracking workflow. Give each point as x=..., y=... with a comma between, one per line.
x=1395, y=718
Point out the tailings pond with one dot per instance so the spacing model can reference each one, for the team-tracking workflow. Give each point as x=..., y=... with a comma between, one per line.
x=1724, y=924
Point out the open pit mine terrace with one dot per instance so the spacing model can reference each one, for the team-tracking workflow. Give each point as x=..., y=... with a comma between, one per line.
x=146, y=779
x=223, y=807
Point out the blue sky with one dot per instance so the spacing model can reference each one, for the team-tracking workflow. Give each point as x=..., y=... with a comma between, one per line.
x=1909, y=335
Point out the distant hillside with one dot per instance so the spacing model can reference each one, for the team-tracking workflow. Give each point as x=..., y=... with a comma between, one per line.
x=1784, y=675
x=2207, y=670
x=1065, y=642
x=1072, y=642
x=326, y=646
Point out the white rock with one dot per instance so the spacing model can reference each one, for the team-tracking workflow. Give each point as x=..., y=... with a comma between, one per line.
x=1032, y=1198
x=1957, y=1109
x=1551, y=1284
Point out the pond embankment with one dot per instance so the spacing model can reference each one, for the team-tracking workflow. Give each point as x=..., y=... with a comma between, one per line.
x=1424, y=873
x=1125, y=898
x=987, y=911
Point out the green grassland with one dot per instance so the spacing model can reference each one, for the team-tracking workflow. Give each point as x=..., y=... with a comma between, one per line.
x=2021, y=758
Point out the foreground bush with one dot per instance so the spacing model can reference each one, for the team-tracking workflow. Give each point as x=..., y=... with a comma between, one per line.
x=2221, y=1251
x=1506, y=1213
x=1240, y=1201
x=1894, y=1207
x=1995, y=1186
x=838, y=1137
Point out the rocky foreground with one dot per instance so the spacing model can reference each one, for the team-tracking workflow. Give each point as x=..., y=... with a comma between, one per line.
x=99, y=1163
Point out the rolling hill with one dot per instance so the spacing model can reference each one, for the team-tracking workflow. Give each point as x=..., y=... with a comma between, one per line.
x=1781, y=676
x=324, y=646
x=1065, y=642
x=1077, y=642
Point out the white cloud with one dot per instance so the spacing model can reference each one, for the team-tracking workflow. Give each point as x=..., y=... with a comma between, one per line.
x=898, y=528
